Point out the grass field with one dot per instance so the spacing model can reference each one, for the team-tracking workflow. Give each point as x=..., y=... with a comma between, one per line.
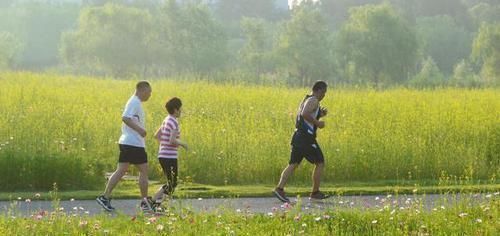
x=64, y=129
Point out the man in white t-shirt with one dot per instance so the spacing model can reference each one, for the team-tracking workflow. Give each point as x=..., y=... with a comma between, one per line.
x=132, y=147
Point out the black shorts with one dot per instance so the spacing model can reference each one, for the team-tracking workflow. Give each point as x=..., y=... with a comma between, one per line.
x=132, y=154
x=304, y=146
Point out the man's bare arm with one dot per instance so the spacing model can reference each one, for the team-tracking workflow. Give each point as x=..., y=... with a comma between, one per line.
x=310, y=107
x=131, y=123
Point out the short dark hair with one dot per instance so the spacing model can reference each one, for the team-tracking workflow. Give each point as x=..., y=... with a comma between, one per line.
x=142, y=84
x=173, y=104
x=319, y=85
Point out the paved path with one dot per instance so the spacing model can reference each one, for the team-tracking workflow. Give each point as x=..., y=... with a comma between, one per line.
x=255, y=205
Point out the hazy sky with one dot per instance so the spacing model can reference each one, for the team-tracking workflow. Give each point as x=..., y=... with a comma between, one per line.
x=291, y=1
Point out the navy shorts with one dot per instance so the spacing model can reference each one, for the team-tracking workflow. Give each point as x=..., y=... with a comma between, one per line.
x=305, y=146
x=132, y=154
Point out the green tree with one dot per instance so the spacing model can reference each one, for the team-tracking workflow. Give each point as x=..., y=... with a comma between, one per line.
x=427, y=8
x=443, y=40
x=305, y=46
x=486, y=52
x=337, y=11
x=192, y=39
x=38, y=27
x=429, y=75
x=9, y=48
x=111, y=38
x=256, y=54
x=464, y=76
x=484, y=12
x=230, y=13
x=376, y=46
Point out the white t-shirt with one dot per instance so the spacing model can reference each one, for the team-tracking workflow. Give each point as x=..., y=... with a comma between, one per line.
x=133, y=110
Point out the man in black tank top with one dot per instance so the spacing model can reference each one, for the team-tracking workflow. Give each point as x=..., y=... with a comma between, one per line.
x=304, y=144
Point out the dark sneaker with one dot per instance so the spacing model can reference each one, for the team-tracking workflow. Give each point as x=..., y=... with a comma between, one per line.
x=147, y=204
x=105, y=203
x=156, y=206
x=318, y=195
x=280, y=194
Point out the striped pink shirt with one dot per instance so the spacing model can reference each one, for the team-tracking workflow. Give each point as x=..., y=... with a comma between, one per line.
x=169, y=127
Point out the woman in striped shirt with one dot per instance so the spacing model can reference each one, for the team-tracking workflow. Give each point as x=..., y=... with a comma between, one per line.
x=169, y=137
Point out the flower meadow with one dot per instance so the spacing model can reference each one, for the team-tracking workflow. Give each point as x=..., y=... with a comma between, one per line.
x=468, y=216
x=64, y=130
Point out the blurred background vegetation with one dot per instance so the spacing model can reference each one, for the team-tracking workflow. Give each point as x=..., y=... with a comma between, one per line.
x=375, y=43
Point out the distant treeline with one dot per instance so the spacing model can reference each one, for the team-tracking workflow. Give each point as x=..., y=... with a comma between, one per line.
x=417, y=43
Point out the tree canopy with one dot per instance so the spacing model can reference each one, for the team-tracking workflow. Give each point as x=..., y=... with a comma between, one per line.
x=376, y=45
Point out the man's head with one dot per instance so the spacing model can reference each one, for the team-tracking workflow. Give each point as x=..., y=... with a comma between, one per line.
x=143, y=90
x=173, y=106
x=319, y=89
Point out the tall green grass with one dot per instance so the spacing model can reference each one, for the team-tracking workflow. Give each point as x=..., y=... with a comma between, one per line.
x=64, y=129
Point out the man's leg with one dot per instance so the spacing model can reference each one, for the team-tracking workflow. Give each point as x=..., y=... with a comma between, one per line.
x=115, y=178
x=143, y=179
x=316, y=176
x=286, y=174
x=279, y=191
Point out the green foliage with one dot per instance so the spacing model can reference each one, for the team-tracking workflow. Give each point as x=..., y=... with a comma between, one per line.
x=38, y=28
x=485, y=13
x=337, y=11
x=486, y=52
x=464, y=76
x=9, y=48
x=444, y=41
x=191, y=39
x=112, y=38
x=256, y=54
x=428, y=8
x=305, y=46
x=210, y=40
x=429, y=75
x=376, y=46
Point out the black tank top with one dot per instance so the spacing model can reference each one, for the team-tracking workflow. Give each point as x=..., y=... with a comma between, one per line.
x=301, y=125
